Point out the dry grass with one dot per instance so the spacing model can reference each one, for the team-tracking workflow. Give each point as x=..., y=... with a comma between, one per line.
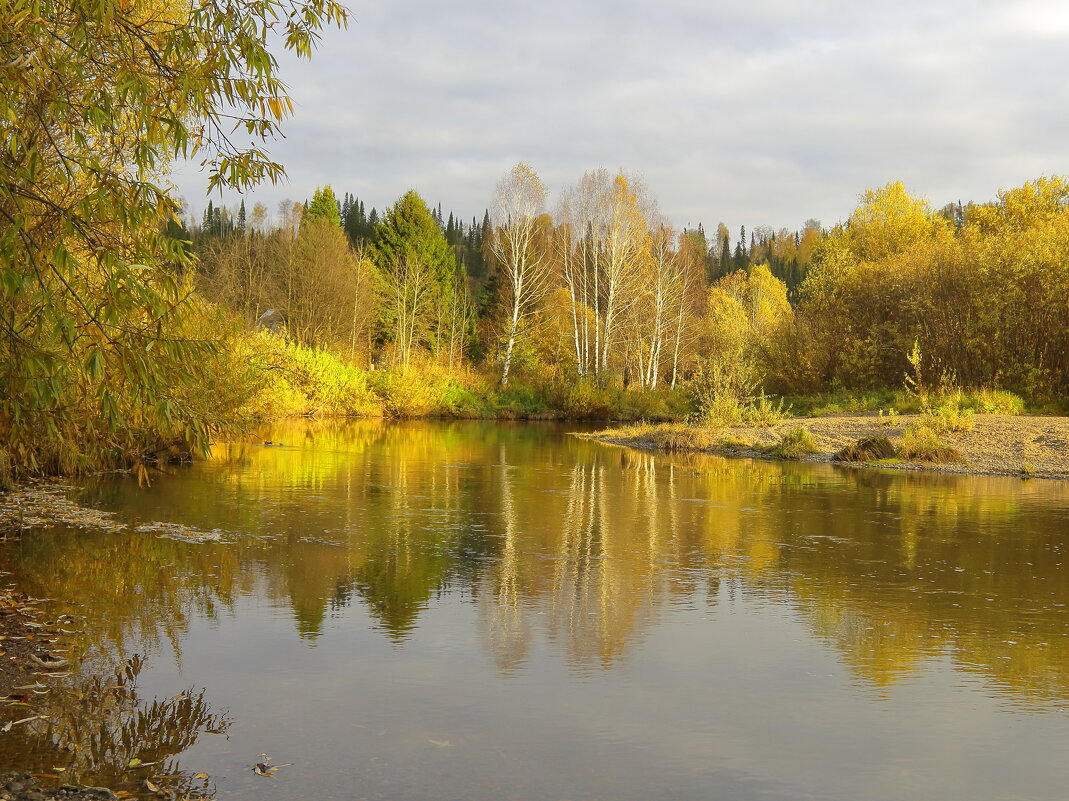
x=663, y=436
x=867, y=449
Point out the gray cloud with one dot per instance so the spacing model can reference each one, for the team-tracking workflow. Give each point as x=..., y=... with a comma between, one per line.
x=764, y=112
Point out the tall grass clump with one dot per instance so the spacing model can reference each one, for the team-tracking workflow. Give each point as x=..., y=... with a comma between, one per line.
x=663, y=436
x=763, y=413
x=921, y=444
x=949, y=419
x=679, y=437
x=795, y=444
x=866, y=449
x=997, y=401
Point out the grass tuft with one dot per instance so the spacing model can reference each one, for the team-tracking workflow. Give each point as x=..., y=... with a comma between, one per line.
x=795, y=444
x=921, y=444
x=867, y=449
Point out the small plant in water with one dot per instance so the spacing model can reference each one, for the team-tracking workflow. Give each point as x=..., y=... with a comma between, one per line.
x=1027, y=470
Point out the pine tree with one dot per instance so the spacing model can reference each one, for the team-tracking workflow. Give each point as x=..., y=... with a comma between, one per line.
x=242, y=220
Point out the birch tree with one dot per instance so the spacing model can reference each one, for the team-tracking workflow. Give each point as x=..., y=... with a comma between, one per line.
x=412, y=298
x=601, y=245
x=624, y=244
x=520, y=250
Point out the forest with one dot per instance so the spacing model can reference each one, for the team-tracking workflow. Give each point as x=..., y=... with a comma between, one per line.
x=130, y=335
x=600, y=307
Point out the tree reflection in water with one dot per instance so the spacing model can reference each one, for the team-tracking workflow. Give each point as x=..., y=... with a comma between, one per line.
x=99, y=731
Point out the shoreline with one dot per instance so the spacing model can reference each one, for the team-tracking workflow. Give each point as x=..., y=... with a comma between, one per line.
x=998, y=445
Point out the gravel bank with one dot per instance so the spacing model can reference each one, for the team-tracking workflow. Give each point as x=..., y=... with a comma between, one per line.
x=997, y=445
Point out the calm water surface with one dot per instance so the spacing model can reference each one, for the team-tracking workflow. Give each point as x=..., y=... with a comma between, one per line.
x=499, y=611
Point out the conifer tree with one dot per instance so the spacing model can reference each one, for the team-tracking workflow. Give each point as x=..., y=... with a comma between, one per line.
x=323, y=208
x=411, y=252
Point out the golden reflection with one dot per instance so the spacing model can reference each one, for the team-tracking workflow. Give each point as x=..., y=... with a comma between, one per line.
x=585, y=547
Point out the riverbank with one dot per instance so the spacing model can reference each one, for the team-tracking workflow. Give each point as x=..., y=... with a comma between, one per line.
x=996, y=444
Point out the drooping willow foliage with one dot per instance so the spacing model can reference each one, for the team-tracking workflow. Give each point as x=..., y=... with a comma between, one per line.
x=105, y=354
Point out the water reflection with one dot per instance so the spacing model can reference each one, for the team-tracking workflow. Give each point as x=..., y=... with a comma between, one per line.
x=98, y=730
x=585, y=548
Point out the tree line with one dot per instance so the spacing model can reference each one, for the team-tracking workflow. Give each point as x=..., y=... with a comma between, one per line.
x=601, y=288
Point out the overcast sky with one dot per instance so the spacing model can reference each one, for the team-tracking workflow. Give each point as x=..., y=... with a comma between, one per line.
x=757, y=112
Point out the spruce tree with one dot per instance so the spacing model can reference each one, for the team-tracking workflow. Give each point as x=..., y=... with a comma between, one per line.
x=409, y=229
x=323, y=208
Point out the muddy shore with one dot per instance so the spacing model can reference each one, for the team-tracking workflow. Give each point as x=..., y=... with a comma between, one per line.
x=997, y=445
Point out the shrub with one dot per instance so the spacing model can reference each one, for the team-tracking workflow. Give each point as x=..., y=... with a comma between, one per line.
x=795, y=444
x=660, y=404
x=409, y=394
x=867, y=449
x=764, y=413
x=587, y=400
x=459, y=401
x=949, y=418
x=998, y=401
x=521, y=400
x=721, y=389
x=921, y=444
x=297, y=379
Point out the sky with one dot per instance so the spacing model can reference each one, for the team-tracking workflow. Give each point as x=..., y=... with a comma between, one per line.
x=764, y=112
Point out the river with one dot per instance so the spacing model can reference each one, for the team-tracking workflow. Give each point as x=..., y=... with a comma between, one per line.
x=490, y=611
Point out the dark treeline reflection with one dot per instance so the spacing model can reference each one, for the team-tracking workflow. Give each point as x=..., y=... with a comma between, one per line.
x=584, y=547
